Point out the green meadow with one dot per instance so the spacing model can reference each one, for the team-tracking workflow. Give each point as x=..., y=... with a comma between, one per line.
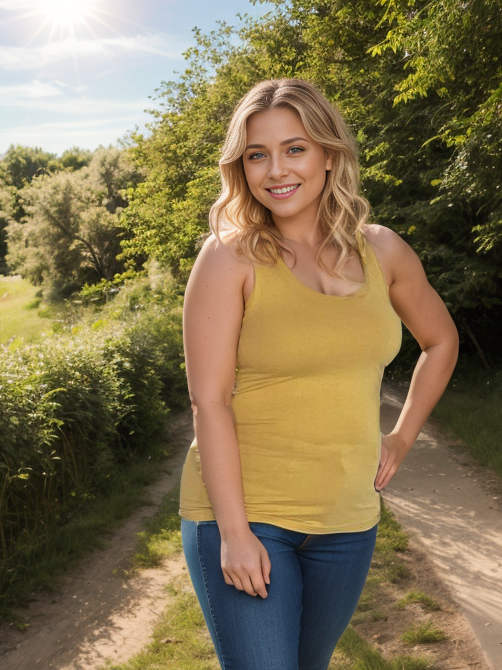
x=21, y=312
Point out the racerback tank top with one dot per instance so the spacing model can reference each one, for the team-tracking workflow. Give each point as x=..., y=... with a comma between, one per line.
x=307, y=403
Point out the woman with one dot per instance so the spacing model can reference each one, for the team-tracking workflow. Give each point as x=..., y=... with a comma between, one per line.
x=280, y=498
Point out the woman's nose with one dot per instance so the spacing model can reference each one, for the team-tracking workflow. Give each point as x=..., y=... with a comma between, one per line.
x=277, y=169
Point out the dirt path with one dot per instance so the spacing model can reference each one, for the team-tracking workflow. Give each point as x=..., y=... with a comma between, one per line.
x=96, y=614
x=441, y=498
x=452, y=508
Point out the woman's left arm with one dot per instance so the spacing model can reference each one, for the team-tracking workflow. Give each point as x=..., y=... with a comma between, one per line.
x=426, y=316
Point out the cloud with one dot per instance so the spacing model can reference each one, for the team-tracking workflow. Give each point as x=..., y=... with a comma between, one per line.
x=57, y=137
x=37, y=96
x=68, y=127
x=29, y=58
x=11, y=96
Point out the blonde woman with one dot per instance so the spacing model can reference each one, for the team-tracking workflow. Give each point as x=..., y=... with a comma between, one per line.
x=292, y=311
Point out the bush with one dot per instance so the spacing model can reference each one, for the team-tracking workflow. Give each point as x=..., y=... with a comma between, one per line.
x=76, y=405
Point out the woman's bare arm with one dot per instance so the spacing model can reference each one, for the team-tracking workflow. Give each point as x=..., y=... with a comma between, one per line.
x=426, y=316
x=212, y=316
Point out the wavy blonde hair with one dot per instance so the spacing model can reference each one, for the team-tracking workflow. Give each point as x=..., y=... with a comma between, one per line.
x=342, y=211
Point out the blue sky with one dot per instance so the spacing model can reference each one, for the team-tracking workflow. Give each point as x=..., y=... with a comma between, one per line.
x=80, y=72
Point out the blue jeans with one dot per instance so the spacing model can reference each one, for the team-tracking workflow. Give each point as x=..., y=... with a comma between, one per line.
x=315, y=584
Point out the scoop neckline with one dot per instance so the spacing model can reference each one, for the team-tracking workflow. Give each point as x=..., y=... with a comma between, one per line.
x=362, y=289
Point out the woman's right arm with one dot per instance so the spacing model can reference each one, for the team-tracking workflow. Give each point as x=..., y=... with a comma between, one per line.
x=212, y=318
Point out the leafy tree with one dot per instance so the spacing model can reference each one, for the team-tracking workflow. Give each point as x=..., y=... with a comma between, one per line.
x=74, y=159
x=450, y=52
x=18, y=167
x=20, y=164
x=6, y=200
x=70, y=235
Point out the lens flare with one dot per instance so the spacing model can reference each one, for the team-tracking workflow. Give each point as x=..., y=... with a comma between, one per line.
x=64, y=12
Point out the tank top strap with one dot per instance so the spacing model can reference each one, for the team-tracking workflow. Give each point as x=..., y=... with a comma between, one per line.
x=372, y=268
x=361, y=242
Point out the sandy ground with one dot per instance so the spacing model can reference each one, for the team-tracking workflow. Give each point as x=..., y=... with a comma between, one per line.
x=452, y=508
x=445, y=502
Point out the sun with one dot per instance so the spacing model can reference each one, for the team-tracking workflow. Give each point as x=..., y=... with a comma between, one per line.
x=65, y=12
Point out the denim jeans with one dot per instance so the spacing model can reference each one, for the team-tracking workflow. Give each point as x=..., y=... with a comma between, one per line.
x=315, y=584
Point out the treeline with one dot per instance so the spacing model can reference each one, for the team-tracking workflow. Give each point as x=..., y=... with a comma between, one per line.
x=59, y=216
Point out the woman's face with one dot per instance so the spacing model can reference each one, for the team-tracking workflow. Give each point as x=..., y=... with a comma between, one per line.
x=280, y=154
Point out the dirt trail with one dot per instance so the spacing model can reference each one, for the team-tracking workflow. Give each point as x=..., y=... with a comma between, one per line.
x=440, y=496
x=452, y=508
x=96, y=615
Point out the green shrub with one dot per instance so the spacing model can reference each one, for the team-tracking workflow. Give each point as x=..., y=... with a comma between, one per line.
x=78, y=404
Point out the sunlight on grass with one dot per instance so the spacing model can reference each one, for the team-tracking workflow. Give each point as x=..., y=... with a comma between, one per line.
x=423, y=633
x=41, y=558
x=426, y=601
x=364, y=657
x=19, y=310
x=161, y=537
x=472, y=410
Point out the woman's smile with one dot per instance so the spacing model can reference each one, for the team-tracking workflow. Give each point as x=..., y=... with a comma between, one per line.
x=282, y=192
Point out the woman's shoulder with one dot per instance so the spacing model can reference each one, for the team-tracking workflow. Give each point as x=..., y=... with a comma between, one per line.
x=225, y=247
x=391, y=251
x=219, y=266
x=380, y=237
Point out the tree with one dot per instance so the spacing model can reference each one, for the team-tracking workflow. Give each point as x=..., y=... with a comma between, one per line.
x=70, y=235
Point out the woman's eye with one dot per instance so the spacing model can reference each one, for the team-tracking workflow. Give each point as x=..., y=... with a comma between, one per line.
x=258, y=153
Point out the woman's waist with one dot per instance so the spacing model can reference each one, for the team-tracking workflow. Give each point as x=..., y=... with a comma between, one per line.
x=264, y=417
x=351, y=392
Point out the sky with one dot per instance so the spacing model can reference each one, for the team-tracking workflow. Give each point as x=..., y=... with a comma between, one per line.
x=83, y=72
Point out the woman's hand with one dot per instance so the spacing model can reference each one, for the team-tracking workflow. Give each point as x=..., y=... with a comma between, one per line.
x=392, y=454
x=245, y=563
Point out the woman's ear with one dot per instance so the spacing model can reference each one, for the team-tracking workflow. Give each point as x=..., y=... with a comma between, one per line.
x=329, y=161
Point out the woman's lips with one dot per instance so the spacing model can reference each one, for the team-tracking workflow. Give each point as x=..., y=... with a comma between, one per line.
x=282, y=196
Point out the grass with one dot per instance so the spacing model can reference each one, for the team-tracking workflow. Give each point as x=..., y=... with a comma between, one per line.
x=427, y=603
x=362, y=656
x=471, y=409
x=180, y=640
x=21, y=313
x=424, y=633
x=161, y=537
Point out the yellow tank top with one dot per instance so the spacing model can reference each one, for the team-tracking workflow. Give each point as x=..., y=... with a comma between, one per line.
x=307, y=403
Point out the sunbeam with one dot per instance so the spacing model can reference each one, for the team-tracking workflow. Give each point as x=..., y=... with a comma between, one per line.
x=65, y=12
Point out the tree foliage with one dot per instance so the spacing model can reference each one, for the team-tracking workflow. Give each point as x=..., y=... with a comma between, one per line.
x=419, y=83
x=69, y=234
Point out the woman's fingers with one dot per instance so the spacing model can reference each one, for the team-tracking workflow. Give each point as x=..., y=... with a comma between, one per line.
x=393, y=453
x=245, y=563
x=233, y=580
x=258, y=584
x=265, y=567
x=254, y=585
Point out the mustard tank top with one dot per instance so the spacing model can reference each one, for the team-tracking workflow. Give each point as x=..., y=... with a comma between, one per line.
x=307, y=403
